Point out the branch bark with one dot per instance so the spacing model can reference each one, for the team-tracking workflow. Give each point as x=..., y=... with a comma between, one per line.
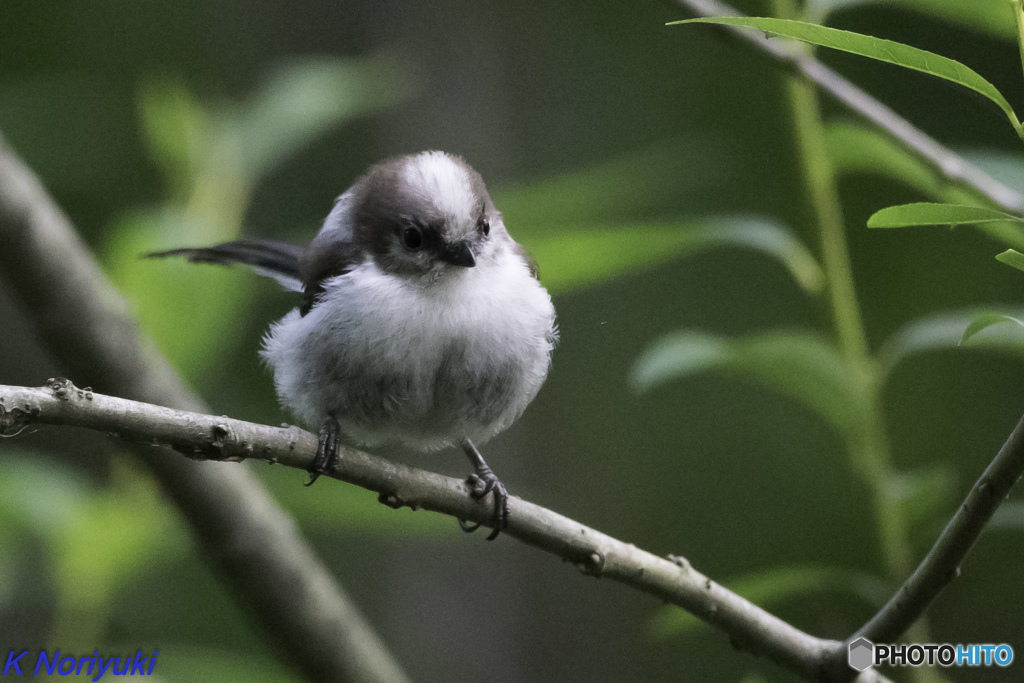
x=592, y=552
x=942, y=563
x=940, y=158
x=85, y=325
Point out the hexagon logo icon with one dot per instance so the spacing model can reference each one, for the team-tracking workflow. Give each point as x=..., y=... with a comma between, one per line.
x=862, y=654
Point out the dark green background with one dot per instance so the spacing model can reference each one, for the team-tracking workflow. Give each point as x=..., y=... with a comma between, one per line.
x=716, y=469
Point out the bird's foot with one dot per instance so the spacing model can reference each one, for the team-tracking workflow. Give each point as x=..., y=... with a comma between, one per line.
x=327, y=450
x=482, y=482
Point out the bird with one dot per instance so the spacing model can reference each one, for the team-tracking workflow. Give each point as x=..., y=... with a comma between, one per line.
x=420, y=323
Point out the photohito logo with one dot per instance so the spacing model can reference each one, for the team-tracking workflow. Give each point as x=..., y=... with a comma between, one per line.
x=863, y=654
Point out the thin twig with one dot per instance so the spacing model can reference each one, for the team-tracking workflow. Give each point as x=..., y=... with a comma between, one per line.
x=85, y=325
x=592, y=552
x=942, y=564
x=940, y=158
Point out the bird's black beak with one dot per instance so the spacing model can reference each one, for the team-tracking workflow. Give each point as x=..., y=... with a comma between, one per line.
x=458, y=254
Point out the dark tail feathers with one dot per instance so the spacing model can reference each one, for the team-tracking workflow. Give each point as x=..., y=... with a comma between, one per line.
x=267, y=257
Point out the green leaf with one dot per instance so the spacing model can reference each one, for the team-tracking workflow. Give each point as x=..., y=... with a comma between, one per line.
x=176, y=131
x=986, y=320
x=637, y=183
x=945, y=331
x=858, y=149
x=1007, y=232
x=1012, y=257
x=99, y=540
x=189, y=310
x=37, y=496
x=113, y=539
x=875, y=48
x=214, y=155
x=927, y=213
x=303, y=99
x=800, y=365
x=994, y=17
x=569, y=261
x=770, y=588
x=923, y=495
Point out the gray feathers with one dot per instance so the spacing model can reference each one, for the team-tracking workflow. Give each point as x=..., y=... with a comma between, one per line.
x=421, y=322
x=278, y=260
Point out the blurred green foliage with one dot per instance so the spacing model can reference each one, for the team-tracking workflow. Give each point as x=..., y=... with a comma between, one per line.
x=212, y=158
x=947, y=330
x=589, y=255
x=801, y=365
x=835, y=382
x=98, y=539
x=876, y=48
x=650, y=172
x=989, y=16
x=857, y=149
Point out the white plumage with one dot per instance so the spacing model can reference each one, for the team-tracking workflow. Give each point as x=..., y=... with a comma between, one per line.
x=377, y=352
x=425, y=361
x=422, y=324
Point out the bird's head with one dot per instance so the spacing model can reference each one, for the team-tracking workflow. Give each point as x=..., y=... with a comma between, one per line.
x=426, y=214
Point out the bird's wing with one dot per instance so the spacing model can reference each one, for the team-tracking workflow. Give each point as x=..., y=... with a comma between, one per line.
x=271, y=258
x=330, y=255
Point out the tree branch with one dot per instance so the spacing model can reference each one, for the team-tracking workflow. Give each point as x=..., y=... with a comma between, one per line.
x=942, y=564
x=592, y=552
x=85, y=325
x=940, y=158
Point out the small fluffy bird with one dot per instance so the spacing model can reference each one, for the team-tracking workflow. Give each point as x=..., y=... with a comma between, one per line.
x=421, y=322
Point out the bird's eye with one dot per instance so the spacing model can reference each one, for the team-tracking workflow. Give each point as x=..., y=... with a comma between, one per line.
x=412, y=237
x=483, y=226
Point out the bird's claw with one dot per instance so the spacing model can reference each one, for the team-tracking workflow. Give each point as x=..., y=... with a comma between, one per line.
x=480, y=487
x=480, y=483
x=327, y=450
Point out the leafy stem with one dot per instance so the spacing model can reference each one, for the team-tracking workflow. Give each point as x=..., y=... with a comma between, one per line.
x=824, y=197
x=875, y=48
x=870, y=453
